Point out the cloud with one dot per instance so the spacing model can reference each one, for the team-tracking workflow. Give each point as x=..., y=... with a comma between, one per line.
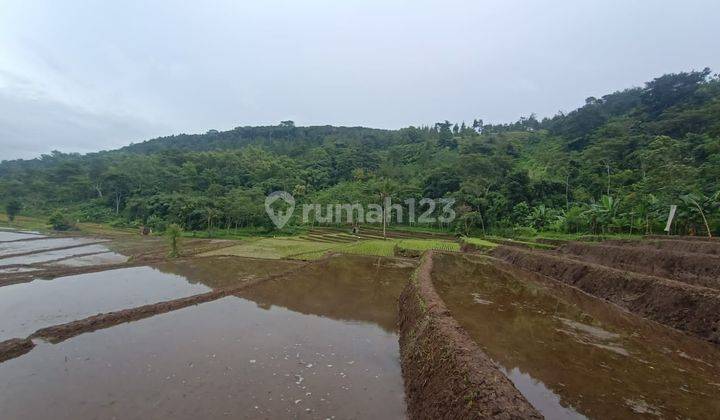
x=33, y=126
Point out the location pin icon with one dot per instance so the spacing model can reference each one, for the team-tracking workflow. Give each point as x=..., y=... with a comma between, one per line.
x=279, y=218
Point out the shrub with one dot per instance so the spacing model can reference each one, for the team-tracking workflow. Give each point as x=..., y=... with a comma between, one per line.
x=59, y=221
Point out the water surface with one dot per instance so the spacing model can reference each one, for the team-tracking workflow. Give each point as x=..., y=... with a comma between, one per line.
x=304, y=346
x=574, y=355
x=15, y=235
x=22, y=247
x=27, y=307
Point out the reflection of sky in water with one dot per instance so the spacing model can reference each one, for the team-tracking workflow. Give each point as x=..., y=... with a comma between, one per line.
x=221, y=359
x=14, y=236
x=540, y=396
x=570, y=353
x=19, y=247
x=52, y=255
x=27, y=307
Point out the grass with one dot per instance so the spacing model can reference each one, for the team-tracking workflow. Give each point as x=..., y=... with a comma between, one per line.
x=426, y=244
x=479, y=242
x=273, y=248
x=376, y=247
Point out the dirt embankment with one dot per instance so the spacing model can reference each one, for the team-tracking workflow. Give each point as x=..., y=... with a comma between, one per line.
x=14, y=347
x=684, y=238
x=446, y=373
x=697, y=247
x=692, y=268
x=688, y=308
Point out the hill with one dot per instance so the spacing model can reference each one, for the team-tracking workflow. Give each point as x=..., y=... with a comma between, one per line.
x=612, y=165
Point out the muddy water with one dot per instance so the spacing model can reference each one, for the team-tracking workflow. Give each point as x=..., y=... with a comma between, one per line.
x=218, y=272
x=281, y=351
x=27, y=307
x=573, y=355
x=58, y=254
x=349, y=288
x=15, y=236
x=21, y=247
x=103, y=258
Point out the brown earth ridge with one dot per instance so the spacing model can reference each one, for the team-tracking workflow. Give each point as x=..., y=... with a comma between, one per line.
x=447, y=375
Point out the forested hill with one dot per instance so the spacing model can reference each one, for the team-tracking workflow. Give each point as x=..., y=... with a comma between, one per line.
x=615, y=164
x=284, y=138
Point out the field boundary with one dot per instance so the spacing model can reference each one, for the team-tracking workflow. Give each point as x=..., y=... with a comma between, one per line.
x=446, y=374
x=689, y=308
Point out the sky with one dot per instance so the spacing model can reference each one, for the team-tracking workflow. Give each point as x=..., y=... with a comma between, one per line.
x=84, y=76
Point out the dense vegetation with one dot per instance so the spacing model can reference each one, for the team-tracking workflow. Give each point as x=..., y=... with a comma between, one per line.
x=614, y=165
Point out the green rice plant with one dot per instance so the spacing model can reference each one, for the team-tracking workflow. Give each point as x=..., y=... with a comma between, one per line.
x=427, y=244
x=482, y=243
x=378, y=247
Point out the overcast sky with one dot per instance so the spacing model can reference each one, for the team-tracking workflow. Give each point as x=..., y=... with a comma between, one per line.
x=80, y=76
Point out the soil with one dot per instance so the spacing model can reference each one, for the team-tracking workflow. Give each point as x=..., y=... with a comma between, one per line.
x=693, y=268
x=697, y=247
x=683, y=238
x=689, y=308
x=446, y=374
x=14, y=347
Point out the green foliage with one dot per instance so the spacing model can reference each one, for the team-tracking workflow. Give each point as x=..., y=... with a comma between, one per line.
x=12, y=208
x=173, y=232
x=614, y=165
x=59, y=221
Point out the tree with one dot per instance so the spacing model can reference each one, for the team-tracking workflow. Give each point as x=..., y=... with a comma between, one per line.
x=699, y=201
x=12, y=208
x=173, y=233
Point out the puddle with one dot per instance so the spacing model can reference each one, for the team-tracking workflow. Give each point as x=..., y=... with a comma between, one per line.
x=21, y=247
x=316, y=344
x=16, y=235
x=572, y=355
x=57, y=254
x=14, y=270
x=27, y=307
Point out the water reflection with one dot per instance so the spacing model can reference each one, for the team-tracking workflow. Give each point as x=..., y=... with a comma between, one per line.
x=597, y=359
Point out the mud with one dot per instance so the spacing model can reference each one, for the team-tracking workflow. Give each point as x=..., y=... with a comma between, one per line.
x=14, y=347
x=697, y=247
x=688, y=308
x=573, y=355
x=692, y=268
x=683, y=238
x=446, y=374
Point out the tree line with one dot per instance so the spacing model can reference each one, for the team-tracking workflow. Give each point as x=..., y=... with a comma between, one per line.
x=614, y=165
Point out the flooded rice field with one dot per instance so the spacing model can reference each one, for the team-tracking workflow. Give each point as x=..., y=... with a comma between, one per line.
x=31, y=246
x=572, y=355
x=6, y=235
x=60, y=256
x=27, y=307
x=121, y=331
x=316, y=342
x=228, y=358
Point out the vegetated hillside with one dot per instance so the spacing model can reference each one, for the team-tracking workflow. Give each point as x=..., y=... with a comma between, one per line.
x=613, y=165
